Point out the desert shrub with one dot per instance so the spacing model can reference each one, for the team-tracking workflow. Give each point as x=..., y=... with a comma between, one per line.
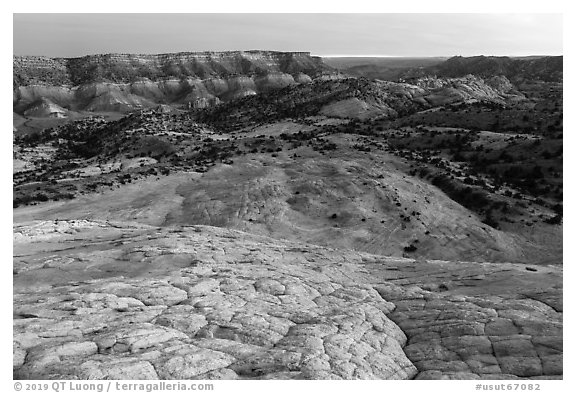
x=491, y=221
x=466, y=196
x=41, y=197
x=410, y=248
x=555, y=220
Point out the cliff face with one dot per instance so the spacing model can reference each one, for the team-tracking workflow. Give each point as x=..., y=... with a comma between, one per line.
x=126, y=81
x=125, y=68
x=41, y=70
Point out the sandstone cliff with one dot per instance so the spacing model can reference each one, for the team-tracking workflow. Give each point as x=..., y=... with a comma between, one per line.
x=123, y=68
x=120, y=82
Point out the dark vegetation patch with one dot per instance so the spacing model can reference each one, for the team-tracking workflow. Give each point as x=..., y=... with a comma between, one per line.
x=173, y=141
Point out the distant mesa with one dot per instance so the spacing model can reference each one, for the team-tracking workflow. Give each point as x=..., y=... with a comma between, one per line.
x=122, y=82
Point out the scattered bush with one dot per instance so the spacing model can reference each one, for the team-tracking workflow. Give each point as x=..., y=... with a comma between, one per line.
x=410, y=248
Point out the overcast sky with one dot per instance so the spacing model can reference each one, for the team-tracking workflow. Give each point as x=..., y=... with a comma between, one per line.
x=70, y=35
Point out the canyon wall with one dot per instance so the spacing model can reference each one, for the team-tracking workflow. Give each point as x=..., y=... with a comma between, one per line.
x=131, y=67
x=121, y=82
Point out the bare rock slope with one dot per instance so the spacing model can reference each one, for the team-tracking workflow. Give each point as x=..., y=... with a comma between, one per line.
x=133, y=301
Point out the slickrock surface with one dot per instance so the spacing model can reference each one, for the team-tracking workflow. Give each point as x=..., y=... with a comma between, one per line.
x=477, y=321
x=193, y=303
x=130, y=301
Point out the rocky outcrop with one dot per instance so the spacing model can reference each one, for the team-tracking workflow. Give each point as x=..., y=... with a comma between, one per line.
x=142, y=302
x=443, y=91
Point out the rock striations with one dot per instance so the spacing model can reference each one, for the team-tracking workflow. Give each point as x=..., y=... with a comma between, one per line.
x=120, y=82
x=125, y=68
x=125, y=82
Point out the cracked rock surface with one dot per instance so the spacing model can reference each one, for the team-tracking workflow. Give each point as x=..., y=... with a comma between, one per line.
x=477, y=321
x=96, y=300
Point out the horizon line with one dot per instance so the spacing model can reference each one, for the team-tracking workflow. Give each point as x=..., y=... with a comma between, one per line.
x=294, y=51
x=443, y=56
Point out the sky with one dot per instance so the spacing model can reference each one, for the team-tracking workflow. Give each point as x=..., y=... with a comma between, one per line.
x=368, y=34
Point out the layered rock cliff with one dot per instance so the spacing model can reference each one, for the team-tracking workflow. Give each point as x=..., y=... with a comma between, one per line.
x=120, y=82
x=125, y=68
